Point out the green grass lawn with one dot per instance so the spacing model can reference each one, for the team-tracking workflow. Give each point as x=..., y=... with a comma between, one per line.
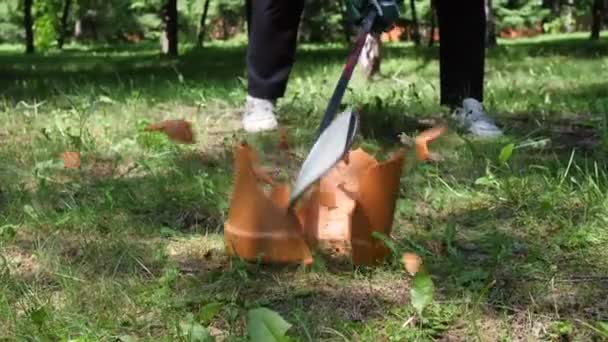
x=130, y=246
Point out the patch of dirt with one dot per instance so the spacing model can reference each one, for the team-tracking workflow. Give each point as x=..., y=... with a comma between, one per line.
x=197, y=256
x=525, y=326
x=357, y=300
x=25, y=266
x=103, y=168
x=194, y=220
x=223, y=122
x=22, y=264
x=564, y=134
x=520, y=326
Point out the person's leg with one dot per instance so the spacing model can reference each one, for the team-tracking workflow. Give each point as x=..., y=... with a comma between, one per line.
x=272, y=31
x=462, y=30
x=462, y=27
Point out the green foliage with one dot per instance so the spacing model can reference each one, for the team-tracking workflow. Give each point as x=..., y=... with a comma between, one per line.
x=11, y=21
x=46, y=24
x=505, y=154
x=562, y=330
x=422, y=291
x=265, y=325
x=519, y=14
x=322, y=22
x=119, y=20
x=191, y=331
x=39, y=316
x=208, y=311
x=7, y=232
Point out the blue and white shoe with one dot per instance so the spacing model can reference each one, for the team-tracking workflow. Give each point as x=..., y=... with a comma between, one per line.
x=259, y=115
x=474, y=119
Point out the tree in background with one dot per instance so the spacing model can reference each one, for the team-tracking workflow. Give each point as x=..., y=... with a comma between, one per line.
x=517, y=15
x=597, y=10
x=168, y=38
x=28, y=24
x=322, y=21
x=415, y=25
x=490, y=24
x=67, y=4
x=433, y=22
x=46, y=23
x=200, y=36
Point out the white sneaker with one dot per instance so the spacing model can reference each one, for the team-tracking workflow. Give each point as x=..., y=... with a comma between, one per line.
x=259, y=115
x=474, y=119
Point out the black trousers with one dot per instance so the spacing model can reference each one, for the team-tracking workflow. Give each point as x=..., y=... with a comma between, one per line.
x=273, y=30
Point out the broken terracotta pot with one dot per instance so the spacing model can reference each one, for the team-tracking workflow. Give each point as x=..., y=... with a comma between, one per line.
x=259, y=226
x=354, y=199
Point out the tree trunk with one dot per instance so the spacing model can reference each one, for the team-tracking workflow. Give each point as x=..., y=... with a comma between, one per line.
x=416, y=31
x=490, y=25
x=345, y=22
x=201, y=26
x=433, y=24
x=597, y=11
x=168, y=38
x=28, y=24
x=64, y=23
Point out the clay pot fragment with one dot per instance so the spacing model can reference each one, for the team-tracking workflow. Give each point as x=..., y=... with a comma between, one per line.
x=356, y=199
x=71, y=160
x=259, y=227
x=179, y=131
x=353, y=200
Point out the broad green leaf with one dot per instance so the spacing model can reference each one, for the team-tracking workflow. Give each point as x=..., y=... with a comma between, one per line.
x=265, y=325
x=602, y=328
x=564, y=328
x=30, y=211
x=422, y=291
x=194, y=332
x=39, y=315
x=506, y=153
x=8, y=231
x=208, y=311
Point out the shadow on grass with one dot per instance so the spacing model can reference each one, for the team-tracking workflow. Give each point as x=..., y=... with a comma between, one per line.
x=125, y=70
x=512, y=268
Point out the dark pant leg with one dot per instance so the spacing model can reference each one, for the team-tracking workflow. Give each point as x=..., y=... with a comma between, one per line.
x=462, y=27
x=273, y=30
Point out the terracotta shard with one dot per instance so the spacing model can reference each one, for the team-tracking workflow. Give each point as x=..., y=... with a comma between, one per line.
x=177, y=130
x=71, y=160
x=364, y=194
x=412, y=262
x=422, y=140
x=377, y=195
x=259, y=227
